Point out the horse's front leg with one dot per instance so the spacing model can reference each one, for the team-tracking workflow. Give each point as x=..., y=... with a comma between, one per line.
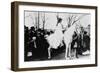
x=49, y=52
x=66, y=52
x=69, y=51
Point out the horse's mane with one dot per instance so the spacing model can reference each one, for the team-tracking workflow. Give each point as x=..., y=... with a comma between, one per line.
x=70, y=30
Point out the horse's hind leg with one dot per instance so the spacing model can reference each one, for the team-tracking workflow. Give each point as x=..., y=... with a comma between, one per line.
x=66, y=52
x=69, y=51
x=49, y=52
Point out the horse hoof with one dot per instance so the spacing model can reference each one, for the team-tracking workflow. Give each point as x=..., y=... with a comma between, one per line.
x=66, y=58
x=70, y=58
x=49, y=58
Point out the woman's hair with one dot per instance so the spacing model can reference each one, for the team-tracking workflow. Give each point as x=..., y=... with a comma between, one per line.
x=59, y=20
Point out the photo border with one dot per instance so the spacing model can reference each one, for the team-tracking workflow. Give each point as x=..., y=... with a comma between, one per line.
x=15, y=34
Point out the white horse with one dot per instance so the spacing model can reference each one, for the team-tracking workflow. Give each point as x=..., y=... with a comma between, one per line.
x=68, y=38
x=58, y=36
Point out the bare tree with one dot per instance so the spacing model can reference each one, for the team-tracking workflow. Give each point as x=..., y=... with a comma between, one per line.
x=57, y=18
x=43, y=20
x=72, y=19
x=38, y=19
x=36, y=22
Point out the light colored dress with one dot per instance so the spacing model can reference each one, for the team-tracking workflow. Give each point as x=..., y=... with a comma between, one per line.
x=56, y=38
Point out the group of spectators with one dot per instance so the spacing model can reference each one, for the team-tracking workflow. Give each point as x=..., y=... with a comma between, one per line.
x=81, y=42
x=36, y=45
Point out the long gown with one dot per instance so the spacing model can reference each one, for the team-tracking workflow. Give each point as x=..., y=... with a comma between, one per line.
x=56, y=38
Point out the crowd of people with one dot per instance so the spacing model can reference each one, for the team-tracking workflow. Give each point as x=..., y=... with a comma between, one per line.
x=81, y=42
x=36, y=44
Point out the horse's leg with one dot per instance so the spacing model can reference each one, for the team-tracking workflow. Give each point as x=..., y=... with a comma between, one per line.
x=75, y=54
x=66, y=52
x=69, y=53
x=49, y=52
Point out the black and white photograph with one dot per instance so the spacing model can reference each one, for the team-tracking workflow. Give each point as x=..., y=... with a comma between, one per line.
x=56, y=35
x=51, y=36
